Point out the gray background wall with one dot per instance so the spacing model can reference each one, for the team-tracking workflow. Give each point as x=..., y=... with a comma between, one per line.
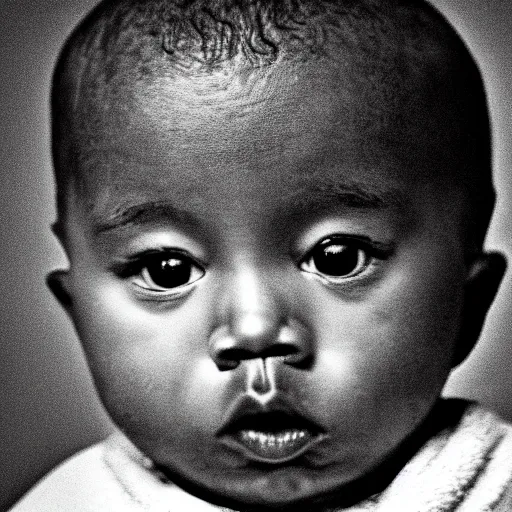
x=48, y=408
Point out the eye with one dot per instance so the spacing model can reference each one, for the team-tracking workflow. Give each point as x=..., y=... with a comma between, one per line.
x=166, y=274
x=337, y=259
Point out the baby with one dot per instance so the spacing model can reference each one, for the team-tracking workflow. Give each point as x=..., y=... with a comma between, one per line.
x=274, y=213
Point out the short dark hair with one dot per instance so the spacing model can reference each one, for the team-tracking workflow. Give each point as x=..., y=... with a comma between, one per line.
x=133, y=39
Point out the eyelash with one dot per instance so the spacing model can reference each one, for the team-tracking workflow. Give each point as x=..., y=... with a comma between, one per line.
x=139, y=268
x=367, y=254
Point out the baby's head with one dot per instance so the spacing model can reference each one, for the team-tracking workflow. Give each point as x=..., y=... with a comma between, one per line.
x=214, y=161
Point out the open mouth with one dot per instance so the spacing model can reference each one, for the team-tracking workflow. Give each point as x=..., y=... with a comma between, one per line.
x=272, y=437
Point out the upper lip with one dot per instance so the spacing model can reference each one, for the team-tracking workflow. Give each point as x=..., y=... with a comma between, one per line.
x=248, y=413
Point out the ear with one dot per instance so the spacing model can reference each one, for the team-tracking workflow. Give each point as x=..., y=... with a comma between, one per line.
x=483, y=280
x=57, y=281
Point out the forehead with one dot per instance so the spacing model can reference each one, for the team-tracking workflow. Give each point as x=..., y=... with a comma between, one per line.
x=286, y=134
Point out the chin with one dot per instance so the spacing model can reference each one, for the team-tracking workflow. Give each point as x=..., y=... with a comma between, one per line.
x=287, y=488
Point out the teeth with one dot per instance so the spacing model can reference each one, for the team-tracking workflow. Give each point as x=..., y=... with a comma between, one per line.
x=268, y=439
x=275, y=446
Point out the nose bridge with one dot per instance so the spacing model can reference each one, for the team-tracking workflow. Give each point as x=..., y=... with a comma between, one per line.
x=255, y=312
x=251, y=290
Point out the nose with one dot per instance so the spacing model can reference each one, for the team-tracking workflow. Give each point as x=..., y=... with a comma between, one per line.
x=258, y=326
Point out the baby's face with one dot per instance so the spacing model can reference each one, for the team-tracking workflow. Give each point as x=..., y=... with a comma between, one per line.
x=268, y=292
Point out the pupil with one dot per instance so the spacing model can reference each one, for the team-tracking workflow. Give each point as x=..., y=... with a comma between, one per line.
x=336, y=260
x=170, y=273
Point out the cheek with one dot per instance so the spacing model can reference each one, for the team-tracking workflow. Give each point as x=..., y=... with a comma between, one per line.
x=388, y=354
x=150, y=363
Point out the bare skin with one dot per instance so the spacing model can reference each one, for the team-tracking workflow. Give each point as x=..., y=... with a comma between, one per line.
x=315, y=268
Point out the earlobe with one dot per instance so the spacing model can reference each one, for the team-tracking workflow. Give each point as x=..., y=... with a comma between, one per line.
x=57, y=281
x=483, y=281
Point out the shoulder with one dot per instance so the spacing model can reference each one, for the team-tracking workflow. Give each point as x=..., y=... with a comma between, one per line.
x=467, y=466
x=491, y=486
x=110, y=476
x=84, y=482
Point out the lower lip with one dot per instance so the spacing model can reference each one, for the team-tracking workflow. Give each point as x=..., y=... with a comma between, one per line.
x=274, y=447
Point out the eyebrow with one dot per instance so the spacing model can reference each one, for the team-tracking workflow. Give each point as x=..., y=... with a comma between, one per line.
x=309, y=198
x=349, y=195
x=142, y=213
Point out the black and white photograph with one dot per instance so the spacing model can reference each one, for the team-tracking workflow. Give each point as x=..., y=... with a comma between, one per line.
x=256, y=255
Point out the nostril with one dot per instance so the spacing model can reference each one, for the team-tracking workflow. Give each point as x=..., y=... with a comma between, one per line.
x=236, y=354
x=298, y=360
x=226, y=365
x=280, y=350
